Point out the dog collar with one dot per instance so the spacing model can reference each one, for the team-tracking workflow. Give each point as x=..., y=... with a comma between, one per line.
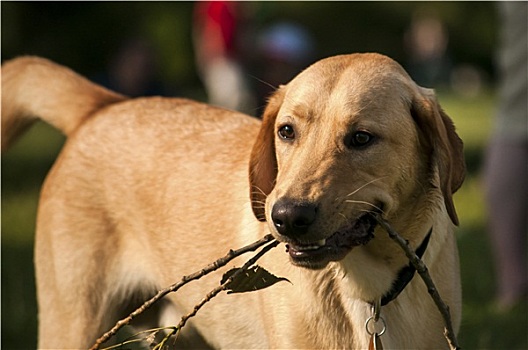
x=406, y=274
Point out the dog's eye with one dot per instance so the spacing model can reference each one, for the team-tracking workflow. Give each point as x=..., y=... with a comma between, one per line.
x=286, y=132
x=362, y=138
x=358, y=139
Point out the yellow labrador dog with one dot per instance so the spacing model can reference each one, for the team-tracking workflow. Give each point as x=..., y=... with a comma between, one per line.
x=147, y=190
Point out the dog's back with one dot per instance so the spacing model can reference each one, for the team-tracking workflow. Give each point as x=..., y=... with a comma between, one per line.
x=134, y=201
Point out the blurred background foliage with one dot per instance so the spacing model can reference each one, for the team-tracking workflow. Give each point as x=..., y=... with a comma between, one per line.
x=86, y=36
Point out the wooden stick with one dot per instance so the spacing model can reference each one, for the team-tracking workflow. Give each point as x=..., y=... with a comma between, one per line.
x=411, y=255
x=174, y=287
x=424, y=274
x=213, y=293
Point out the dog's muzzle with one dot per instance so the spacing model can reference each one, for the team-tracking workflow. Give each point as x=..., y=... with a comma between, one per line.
x=293, y=221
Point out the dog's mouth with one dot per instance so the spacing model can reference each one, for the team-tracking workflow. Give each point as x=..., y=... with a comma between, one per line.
x=318, y=254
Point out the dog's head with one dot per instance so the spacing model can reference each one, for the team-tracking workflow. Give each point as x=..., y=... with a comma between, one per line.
x=349, y=136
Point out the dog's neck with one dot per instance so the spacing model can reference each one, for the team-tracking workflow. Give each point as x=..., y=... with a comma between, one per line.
x=406, y=274
x=335, y=284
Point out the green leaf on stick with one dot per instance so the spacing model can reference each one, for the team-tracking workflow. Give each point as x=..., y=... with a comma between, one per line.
x=250, y=280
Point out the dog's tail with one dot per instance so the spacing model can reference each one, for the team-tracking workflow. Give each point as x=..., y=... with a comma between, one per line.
x=34, y=87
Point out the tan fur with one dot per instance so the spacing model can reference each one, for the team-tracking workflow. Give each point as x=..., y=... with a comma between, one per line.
x=148, y=190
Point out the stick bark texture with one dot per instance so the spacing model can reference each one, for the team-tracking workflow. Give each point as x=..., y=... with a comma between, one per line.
x=419, y=265
x=174, y=287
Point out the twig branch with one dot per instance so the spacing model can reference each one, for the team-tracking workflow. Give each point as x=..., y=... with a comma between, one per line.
x=424, y=274
x=173, y=288
x=213, y=293
x=411, y=255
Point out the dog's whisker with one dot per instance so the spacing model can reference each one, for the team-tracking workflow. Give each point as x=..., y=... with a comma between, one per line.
x=258, y=191
x=364, y=185
x=263, y=82
x=257, y=205
x=258, y=201
x=273, y=87
x=364, y=202
x=368, y=211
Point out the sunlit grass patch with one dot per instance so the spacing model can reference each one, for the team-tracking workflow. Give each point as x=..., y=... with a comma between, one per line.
x=473, y=117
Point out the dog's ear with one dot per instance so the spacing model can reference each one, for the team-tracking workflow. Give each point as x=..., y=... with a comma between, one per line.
x=445, y=147
x=263, y=162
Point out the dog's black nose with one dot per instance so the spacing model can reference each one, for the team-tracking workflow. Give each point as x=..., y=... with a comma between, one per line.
x=293, y=219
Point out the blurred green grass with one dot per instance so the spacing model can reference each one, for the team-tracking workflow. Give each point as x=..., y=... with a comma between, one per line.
x=483, y=327
x=24, y=167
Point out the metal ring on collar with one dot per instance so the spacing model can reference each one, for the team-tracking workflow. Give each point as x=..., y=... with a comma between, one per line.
x=372, y=319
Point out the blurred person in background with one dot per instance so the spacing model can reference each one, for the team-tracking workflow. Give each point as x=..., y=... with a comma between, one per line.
x=217, y=30
x=506, y=177
x=283, y=50
x=426, y=43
